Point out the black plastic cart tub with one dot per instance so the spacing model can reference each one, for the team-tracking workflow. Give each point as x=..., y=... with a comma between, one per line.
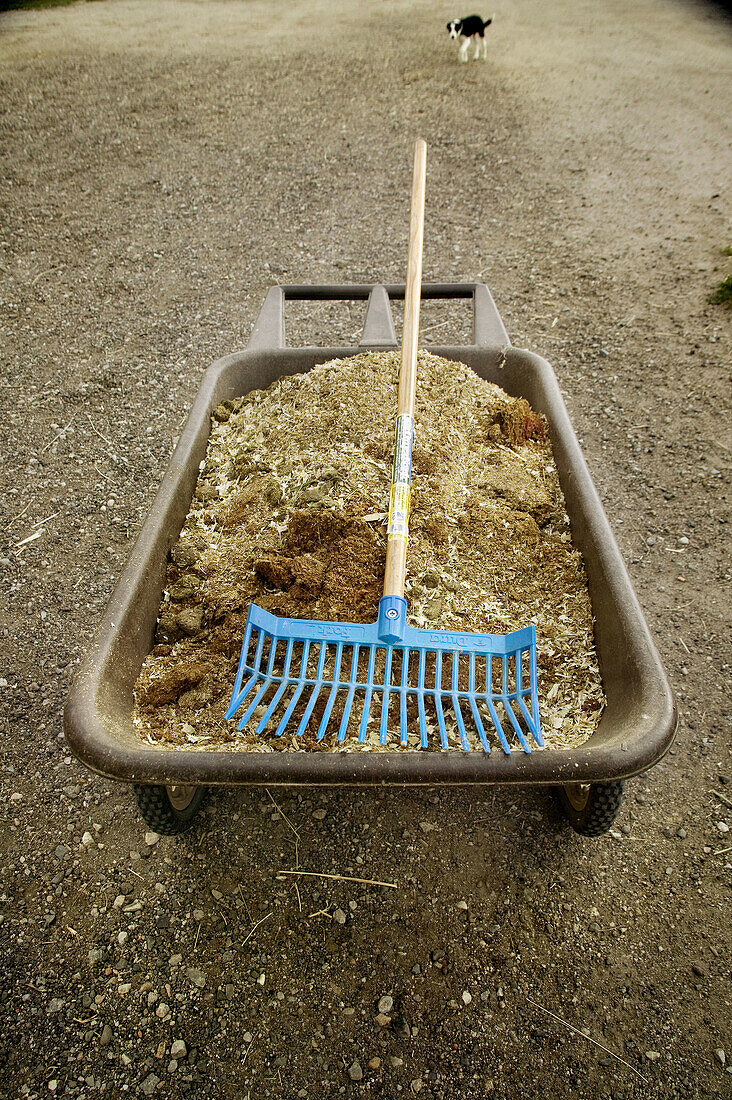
x=636, y=727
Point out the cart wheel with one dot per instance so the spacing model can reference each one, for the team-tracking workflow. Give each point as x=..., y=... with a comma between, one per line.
x=169, y=810
x=591, y=808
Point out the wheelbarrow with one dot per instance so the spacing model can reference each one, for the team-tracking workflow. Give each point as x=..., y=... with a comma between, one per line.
x=637, y=725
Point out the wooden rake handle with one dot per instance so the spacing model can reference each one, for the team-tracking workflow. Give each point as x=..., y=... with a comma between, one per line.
x=399, y=500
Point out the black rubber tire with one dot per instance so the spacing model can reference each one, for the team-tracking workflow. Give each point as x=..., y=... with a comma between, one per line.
x=591, y=810
x=168, y=811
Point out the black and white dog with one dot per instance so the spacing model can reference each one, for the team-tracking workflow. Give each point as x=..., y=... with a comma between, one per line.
x=470, y=29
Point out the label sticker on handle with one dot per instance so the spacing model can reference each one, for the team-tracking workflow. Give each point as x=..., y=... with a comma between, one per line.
x=402, y=469
x=401, y=477
x=399, y=512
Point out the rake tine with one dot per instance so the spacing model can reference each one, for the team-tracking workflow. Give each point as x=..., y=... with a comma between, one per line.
x=349, y=698
x=367, y=697
x=420, y=700
x=316, y=690
x=456, y=701
x=506, y=700
x=280, y=690
x=460, y=723
x=474, y=705
x=438, y=699
x=333, y=692
x=497, y=723
x=235, y=704
x=491, y=708
x=383, y=733
x=403, y=698
x=298, y=691
x=528, y=715
x=267, y=682
x=516, y=727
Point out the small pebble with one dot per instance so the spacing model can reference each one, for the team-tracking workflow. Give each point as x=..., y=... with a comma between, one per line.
x=462, y=905
x=374, y=1063
x=386, y=1004
x=162, y=1010
x=106, y=1037
x=652, y=1055
x=467, y=998
x=151, y=838
x=150, y=1084
x=319, y=814
x=339, y=916
x=721, y=1057
x=196, y=977
x=178, y=1049
x=355, y=1072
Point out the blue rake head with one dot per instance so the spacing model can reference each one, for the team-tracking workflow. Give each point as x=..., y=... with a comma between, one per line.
x=302, y=671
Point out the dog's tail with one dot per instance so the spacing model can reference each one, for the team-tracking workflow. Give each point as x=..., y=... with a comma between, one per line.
x=488, y=22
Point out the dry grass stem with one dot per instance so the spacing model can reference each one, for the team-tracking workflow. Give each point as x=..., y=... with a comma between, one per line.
x=341, y=878
x=589, y=1039
x=254, y=929
x=282, y=813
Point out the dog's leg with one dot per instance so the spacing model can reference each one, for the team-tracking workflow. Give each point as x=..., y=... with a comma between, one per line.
x=463, y=55
x=485, y=47
x=476, y=39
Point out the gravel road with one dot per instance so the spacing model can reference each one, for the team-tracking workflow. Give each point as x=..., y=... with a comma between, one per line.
x=163, y=163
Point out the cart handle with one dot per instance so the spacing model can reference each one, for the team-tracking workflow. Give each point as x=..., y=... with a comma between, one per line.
x=378, y=330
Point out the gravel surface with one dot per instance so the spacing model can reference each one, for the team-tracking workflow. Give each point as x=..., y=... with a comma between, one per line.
x=162, y=164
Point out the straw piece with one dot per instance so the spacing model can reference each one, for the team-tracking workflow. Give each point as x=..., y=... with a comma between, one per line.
x=341, y=878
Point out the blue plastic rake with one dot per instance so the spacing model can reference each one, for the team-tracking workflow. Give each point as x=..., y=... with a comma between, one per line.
x=388, y=672
x=290, y=666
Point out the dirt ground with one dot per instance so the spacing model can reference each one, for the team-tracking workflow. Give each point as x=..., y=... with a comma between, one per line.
x=163, y=163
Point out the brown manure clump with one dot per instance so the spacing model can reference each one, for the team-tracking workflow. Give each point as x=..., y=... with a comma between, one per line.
x=289, y=512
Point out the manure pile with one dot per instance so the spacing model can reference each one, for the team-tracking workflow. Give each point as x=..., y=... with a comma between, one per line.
x=289, y=512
